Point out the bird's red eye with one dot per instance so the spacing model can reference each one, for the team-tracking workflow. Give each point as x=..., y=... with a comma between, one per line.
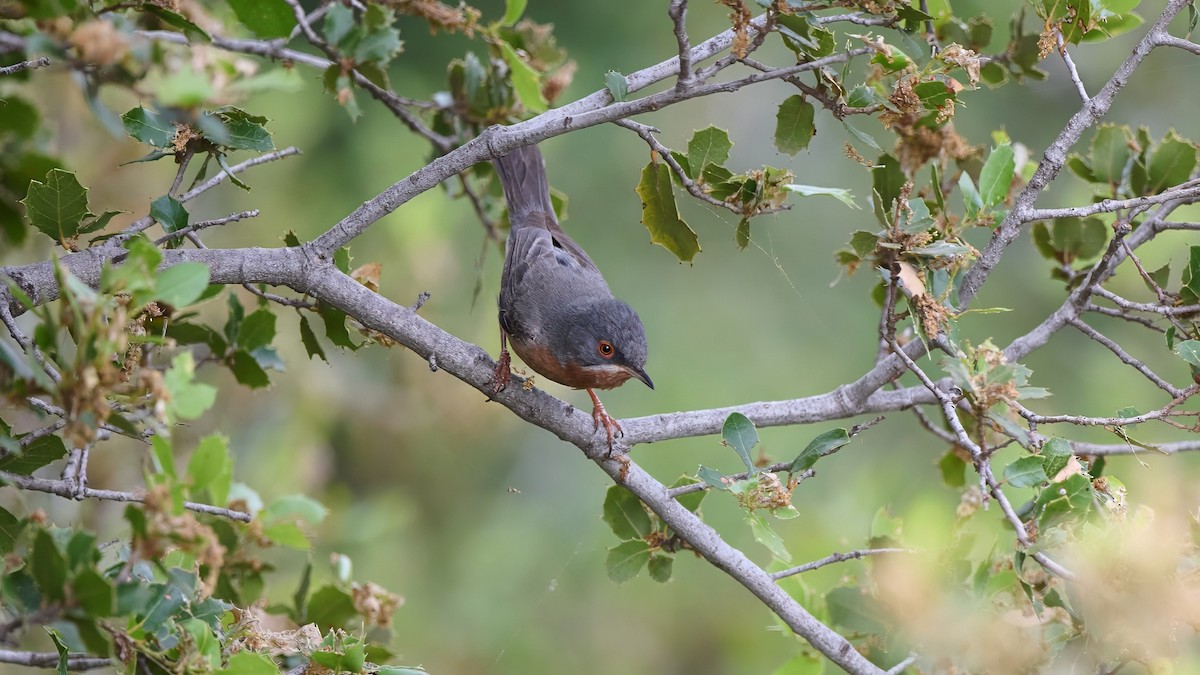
x=605, y=348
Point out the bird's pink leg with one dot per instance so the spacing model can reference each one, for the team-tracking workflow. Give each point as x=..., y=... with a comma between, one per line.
x=601, y=416
x=504, y=367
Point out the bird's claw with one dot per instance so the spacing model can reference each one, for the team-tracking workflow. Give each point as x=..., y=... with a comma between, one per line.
x=611, y=427
x=503, y=372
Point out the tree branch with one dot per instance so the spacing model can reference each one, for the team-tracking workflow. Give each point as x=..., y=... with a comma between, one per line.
x=50, y=660
x=836, y=558
x=24, y=65
x=72, y=490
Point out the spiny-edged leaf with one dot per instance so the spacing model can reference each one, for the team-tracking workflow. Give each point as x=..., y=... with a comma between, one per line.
x=842, y=195
x=381, y=41
x=57, y=206
x=182, y=284
x=712, y=477
x=211, y=468
x=48, y=566
x=513, y=9
x=1056, y=452
x=250, y=663
x=169, y=212
x=148, y=127
x=63, y=653
x=339, y=22
x=625, y=515
x=98, y=223
x=247, y=135
x=1171, y=163
x=1025, y=472
x=887, y=179
x=256, y=330
x=661, y=216
x=268, y=19
x=1161, y=277
x=1110, y=153
x=852, y=609
x=1190, y=279
x=825, y=443
x=39, y=453
x=741, y=236
x=794, y=127
x=708, y=146
x=626, y=560
x=309, y=339
x=1189, y=350
x=767, y=536
x=247, y=370
x=335, y=326
x=660, y=568
x=997, y=175
x=525, y=80
x=739, y=433
x=617, y=86
x=933, y=94
x=292, y=507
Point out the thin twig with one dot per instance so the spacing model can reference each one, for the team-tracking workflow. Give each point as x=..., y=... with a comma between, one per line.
x=195, y=227
x=24, y=65
x=1125, y=357
x=63, y=488
x=1062, y=51
x=27, y=344
x=50, y=660
x=836, y=558
x=678, y=13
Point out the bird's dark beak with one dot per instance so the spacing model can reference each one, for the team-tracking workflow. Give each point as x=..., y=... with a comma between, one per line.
x=640, y=375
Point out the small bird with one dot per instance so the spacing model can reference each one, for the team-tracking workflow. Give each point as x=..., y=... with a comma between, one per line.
x=555, y=307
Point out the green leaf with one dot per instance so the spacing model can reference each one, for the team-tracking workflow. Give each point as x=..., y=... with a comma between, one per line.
x=163, y=455
x=802, y=664
x=1189, y=350
x=617, y=86
x=661, y=216
x=660, y=568
x=189, y=399
x=148, y=127
x=57, y=206
x=18, y=117
x=1056, y=452
x=245, y=134
x=887, y=179
x=794, y=127
x=525, y=80
x=862, y=136
x=842, y=195
x=708, y=146
x=1171, y=163
x=335, y=326
x=267, y=19
x=257, y=330
x=48, y=567
x=250, y=663
x=1110, y=153
x=513, y=9
x=94, y=593
x=739, y=433
x=826, y=443
x=295, y=506
x=169, y=212
x=309, y=339
x=182, y=284
x=170, y=18
x=690, y=501
x=211, y=468
x=61, y=648
x=381, y=41
x=331, y=607
x=741, y=235
x=10, y=529
x=972, y=201
x=1026, y=472
x=767, y=536
x=1063, y=501
x=39, y=453
x=625, y=515
x=247, y=370
x=997, y=174
x=1190, y=280
x=626, y=560
x=339, y=22
x=953, y=469
x=287, y=534
x=712, y=477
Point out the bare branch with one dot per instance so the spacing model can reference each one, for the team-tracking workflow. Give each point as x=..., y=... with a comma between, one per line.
x=236, y=169
x=1062, y=51
x=836, y=558
x=24, y=65
x=1101, y=449
x=196, y=227
x=10, y=322
x=64, y=488
x=1167, y=40
x=50, y=660
x=678, y=13
x=1186, y=192
x=1125, y=357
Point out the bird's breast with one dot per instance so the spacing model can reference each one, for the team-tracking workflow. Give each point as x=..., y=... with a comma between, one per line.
x=545, y=363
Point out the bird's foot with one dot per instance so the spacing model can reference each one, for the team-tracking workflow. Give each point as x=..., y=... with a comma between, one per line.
x=503, y=372
x=601, y=417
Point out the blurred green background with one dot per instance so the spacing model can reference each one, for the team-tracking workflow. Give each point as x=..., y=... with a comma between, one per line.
x=491, y=528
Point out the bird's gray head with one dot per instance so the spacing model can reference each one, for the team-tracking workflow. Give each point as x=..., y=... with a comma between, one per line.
x=606, y=339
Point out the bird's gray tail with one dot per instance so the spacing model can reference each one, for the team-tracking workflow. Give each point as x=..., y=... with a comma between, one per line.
x=526, y=189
